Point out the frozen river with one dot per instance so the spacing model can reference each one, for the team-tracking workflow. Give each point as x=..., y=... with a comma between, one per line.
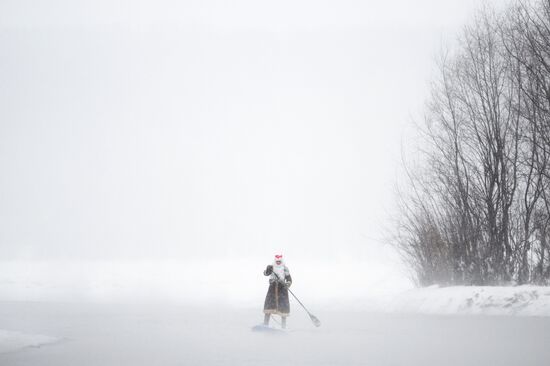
x=114, y=335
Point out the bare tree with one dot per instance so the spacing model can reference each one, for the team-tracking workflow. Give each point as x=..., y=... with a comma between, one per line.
x=479, y=211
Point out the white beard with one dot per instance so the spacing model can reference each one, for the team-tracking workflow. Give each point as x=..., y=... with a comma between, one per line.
x=279, y=269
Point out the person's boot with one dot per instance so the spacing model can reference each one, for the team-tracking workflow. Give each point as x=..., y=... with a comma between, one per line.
x=266, y=319
x=283, y=322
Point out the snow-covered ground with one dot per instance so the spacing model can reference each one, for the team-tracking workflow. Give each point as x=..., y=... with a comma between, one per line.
x=236, y=282
x=12, y=341
x=486, y=300
x=118, y=334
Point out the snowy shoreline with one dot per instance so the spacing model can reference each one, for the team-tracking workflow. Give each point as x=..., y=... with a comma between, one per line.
x=11, y=341
x=473, y=300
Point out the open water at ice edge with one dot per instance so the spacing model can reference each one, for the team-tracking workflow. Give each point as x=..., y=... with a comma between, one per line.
x=116, y=335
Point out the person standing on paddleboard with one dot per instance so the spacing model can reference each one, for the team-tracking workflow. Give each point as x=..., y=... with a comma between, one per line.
x=276, y=300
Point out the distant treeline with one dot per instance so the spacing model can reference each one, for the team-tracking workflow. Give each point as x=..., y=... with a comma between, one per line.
x=477, y=206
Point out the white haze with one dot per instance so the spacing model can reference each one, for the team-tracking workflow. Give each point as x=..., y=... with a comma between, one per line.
x=238, y=283
x=166, y=150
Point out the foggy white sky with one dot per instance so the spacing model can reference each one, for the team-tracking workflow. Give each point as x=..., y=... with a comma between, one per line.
x=169, y=129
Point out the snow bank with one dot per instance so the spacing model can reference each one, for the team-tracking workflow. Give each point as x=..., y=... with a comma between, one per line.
x=12, y=341
x=485, y=300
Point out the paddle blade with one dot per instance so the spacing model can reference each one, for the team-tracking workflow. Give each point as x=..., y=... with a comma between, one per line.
x=315, y=321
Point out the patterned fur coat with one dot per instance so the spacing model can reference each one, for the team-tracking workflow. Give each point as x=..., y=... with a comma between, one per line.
x=276, y=300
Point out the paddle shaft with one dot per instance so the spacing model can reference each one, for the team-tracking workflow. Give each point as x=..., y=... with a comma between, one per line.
x=292, y=293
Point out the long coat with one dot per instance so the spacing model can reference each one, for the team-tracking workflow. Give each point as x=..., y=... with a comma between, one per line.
x=276, y=300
